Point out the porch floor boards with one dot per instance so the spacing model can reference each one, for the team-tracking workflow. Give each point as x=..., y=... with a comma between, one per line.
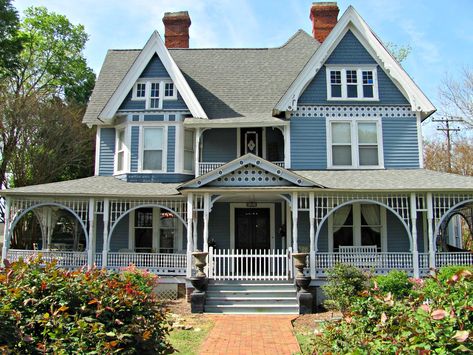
x=251, y=334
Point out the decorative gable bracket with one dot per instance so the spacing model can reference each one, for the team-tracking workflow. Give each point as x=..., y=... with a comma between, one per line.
x=155, y=45
x=249, y=171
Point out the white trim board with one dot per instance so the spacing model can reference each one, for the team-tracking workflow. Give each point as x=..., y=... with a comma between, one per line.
x=155, y=45
x=272, y=221
x=351, y=20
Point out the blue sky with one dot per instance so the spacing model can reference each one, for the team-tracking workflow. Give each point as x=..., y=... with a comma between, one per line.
x=440, y=32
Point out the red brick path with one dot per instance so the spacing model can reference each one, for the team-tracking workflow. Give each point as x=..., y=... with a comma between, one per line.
x=250, y=334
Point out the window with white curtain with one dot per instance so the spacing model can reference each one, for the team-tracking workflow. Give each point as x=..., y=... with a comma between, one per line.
x=354, y=144
x=357, y=225
x=152, y=148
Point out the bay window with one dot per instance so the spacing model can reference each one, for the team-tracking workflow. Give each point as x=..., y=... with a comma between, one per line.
x=352, y=83
x=152, y=158
x=354, y=144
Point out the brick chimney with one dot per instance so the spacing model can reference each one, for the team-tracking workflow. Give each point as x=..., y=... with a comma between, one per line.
x=324, y=18
x=176, y=29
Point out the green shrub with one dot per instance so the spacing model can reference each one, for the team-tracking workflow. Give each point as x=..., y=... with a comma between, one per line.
x=396, y=281
x=344, y=282
x=44, y=309
x=379, y=323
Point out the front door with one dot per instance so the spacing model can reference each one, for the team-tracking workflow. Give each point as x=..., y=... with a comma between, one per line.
x=252, y=228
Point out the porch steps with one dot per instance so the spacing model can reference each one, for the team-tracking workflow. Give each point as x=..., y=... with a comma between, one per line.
x=251, y=297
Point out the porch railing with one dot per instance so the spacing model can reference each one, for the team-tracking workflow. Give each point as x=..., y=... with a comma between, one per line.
x=235, y=264
x=460, y=258
x=204, y=168
x=157, y=263
x=65, y=259
x=378, y=263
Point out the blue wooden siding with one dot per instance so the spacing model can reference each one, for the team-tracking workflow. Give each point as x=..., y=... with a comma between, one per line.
x=107, y=151
x=155, y=69
x=323, y=239
x=398, y=240
x=171, y=154
x=99, y=235
x=153, y=118
x=351, y=51
x=119, y=238
x=150, y=177
x=135, y=147
x=303, y=230
x=308, y=143
x=219, y=225
x=178, y=104
x=401, y=149
x=219, y=145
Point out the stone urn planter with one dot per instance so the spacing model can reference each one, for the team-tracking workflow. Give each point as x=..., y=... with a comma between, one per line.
x=303, y=283
x=199, y=283
x=200, y=258
x=299, y=263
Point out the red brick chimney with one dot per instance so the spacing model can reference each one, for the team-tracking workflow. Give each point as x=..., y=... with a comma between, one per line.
x=176, y=29
x=324, y=18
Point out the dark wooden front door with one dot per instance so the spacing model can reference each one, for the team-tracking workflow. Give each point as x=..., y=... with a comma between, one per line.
x=252, y=228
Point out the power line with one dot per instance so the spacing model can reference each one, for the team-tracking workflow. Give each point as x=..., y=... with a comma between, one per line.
x=447, y=129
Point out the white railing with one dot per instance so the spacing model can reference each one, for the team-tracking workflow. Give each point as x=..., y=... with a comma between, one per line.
x=204, y=168
x=423, y=264
x=157, y=263
x=65, y=259
x=235, y=264
x=378, y=263
x=453, y=258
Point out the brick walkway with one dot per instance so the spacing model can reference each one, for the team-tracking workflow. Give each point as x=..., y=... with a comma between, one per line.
x=250, y=334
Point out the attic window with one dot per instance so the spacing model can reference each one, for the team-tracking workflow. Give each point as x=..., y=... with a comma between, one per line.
x=153, y=92
x=352, y=83
x=168, y=90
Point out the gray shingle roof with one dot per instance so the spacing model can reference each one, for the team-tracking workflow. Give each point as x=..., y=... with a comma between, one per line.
x=228, y=83
x=354, y=180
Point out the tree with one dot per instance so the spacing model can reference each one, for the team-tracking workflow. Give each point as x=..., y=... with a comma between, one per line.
x=10, y=42
x=400, y=53
x=457, y=96
x=436, y=156
x=39, y=99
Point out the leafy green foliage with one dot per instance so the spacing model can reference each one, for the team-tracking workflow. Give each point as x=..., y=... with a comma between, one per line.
x=10, y=42
x=396, y=281
x=47, y=310
x=344, y=282
x=380, y=323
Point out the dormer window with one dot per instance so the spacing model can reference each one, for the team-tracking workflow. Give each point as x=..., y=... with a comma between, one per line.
x=352, y=83
x=154, y=92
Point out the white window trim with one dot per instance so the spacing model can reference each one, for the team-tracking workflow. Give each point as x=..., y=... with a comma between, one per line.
x=355, y=159
x=141, y=149
x=359, y=69
x=126, y=151
x=357, y=227
x=147, y=98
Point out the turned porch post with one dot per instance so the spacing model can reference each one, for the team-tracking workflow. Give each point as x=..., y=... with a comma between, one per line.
x=312, y=234
x=295, y=212
x=430, y=227
x=198, y=133
x=105, y=250
x=190, y=210
x=414, y=249
x=91, y=241
x=206, y=221
x=6, y=231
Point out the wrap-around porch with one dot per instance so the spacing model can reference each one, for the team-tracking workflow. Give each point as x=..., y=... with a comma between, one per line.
x=249, y=235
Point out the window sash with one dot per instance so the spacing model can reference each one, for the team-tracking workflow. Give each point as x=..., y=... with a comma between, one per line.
x=352, y=83
x=153, y=152
x=120, y=150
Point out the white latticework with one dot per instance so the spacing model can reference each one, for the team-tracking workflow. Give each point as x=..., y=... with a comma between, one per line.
x=354, y=111
x=444, y=203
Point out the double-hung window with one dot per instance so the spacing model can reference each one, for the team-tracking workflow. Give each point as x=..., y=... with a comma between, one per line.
x=120, y=156
x=188, y=150
x=153, y=92
x=354, y=144
x=154, y=95
x=352, y=83
x=152, y=148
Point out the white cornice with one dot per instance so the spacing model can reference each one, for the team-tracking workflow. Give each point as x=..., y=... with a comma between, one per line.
x=155, y=45
x=351, y=20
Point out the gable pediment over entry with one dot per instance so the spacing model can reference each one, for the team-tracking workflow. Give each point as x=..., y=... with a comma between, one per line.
x=249, y=171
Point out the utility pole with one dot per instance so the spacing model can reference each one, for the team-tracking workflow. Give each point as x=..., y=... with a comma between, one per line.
x=447, y=129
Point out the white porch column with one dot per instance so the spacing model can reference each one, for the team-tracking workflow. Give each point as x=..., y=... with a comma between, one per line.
x=198, y=133
x=206, y=221
x=190, y=210
x=49, y=226
x=312, y=234
x=288, y=226
x=414, y=249
x=430, y=229
x=91, y=243
x=195, y=219
x=295, y=212
x=6, y=231
x=287, y=147
x=106, y=214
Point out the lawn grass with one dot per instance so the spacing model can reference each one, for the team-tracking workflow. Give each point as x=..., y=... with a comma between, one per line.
x=304, y=340
x=188, y=341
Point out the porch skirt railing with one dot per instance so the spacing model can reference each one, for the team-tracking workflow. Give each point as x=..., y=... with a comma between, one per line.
x=65, y=259
x=459, y=258
x=156, y=263
x=235, y=264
